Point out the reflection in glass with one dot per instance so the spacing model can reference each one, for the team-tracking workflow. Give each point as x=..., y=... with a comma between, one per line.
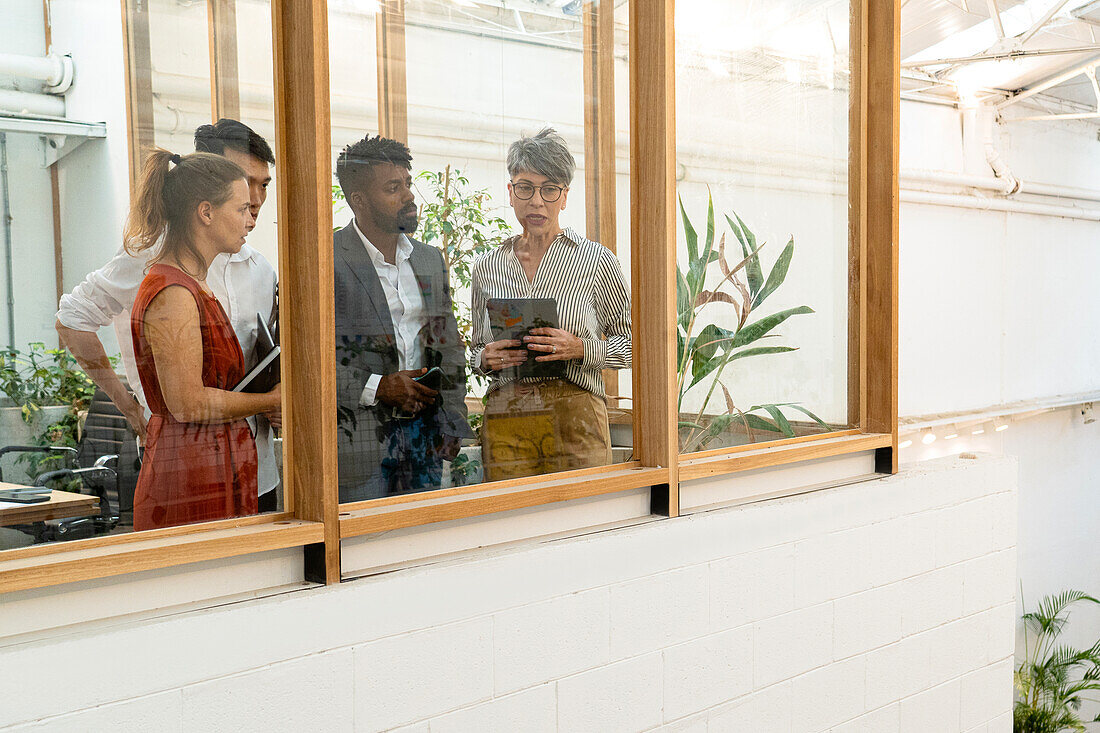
x=163, y=99
x=400, y=364
x=209, y=452
x=762, y=291
x=459, y=126
x=551, y=310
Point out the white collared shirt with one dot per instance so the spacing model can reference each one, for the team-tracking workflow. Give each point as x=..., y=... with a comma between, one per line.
x=406, y=308
x=244, y=283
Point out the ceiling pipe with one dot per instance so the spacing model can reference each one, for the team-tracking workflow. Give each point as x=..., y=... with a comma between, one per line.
x=1041, y=23
x=53, y=70
x=1000, y=56
x=995, y=204
x=992, y=154
x=1049, y=82
x=28, y=103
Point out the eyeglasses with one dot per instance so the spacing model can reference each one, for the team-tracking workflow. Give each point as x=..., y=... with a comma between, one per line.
x=548, y=192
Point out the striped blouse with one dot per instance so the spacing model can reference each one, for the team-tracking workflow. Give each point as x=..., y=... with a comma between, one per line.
x=587, y=282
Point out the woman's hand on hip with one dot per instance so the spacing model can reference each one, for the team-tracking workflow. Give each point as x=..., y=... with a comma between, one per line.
x=556, y=344
x=502, y=354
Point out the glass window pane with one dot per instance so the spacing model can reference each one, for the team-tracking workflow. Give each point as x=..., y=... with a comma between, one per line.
x=155, y=337
x=431, y=264
x=762, y=147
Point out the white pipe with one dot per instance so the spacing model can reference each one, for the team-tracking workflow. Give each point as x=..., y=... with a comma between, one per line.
x=995, y=16
x=1039, y=24
x=27, y=103
x=992, y=204
x=709, y=156
x=53, y=70
x=1049, y=82
x=993, y=155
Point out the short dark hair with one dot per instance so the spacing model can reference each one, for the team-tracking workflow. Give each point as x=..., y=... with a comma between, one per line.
x=360, y=157
x=235, y=135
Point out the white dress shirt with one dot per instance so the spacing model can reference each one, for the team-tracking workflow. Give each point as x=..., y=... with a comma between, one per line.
x=406, y=309
x=243, y=283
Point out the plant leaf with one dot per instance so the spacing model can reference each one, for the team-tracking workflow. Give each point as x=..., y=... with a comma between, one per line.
x=780, y=419
x=760, y=423
x=755, y=331
x=730, y=407
x=710, y=339
x=761, y=351
x=690, y=235
x=714, y=296
x=708, y=247
x=747, y=239
x=722, y=256
x=812, y=416
x=683, y=300
x=777, y=275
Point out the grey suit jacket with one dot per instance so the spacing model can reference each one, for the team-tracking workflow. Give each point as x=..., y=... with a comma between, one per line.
x=365, y=344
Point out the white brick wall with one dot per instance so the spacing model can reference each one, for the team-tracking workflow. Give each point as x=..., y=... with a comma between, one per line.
x=877, y=607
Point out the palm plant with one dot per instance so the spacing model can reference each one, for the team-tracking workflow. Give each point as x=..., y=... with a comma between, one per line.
x=706, y=351
x=1052, y=679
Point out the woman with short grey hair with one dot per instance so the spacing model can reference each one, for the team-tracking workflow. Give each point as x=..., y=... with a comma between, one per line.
x=546, y=407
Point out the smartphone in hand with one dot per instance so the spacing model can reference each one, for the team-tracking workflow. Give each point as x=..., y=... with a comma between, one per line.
x=432, y=379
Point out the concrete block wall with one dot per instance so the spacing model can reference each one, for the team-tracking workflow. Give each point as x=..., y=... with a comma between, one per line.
x=881, y=606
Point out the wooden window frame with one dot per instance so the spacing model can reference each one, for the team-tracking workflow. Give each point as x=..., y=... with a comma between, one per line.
x=225, y=83
x=300, y=43
x=873, y=234
x=872, y=266
x=316, y=521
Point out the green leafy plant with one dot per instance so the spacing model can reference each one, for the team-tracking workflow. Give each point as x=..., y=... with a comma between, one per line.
x=1052, y=679
x=461, y=224
x=339, y=205
x=705, y=350
x=41, y=377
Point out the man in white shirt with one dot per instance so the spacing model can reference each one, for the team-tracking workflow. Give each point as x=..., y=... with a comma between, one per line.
x=394, y=323
x=244, y=283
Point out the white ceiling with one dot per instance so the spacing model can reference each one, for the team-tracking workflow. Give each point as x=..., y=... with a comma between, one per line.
x=941, y=29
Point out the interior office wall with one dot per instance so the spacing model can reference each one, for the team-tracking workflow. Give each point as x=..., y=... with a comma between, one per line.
x=31, y=246
x=1057, y=499
x=1001, y=307
x=997, y=307
x=879, y=606
x=94, y=178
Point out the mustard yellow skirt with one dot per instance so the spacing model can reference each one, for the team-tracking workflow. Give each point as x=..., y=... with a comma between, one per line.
x=538, y=428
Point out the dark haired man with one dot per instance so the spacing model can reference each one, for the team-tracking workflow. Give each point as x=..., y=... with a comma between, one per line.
x=244, y=283
x=394, y=323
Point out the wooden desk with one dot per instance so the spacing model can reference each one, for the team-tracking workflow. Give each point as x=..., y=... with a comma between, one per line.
x=61, y=504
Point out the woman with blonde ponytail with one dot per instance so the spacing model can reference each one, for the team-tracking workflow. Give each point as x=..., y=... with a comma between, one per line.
x=200, y=458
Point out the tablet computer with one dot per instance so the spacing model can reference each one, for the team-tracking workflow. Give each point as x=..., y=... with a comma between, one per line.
x=513, y=318
x=265, y=375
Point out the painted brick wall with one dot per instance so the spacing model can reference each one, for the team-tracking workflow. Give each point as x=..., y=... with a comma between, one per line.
x=881, y=606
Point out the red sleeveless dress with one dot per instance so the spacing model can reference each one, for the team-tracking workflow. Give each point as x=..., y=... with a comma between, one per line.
x=192, y=472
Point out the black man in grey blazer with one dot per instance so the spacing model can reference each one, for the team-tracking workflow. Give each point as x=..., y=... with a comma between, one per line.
x=394, y=324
